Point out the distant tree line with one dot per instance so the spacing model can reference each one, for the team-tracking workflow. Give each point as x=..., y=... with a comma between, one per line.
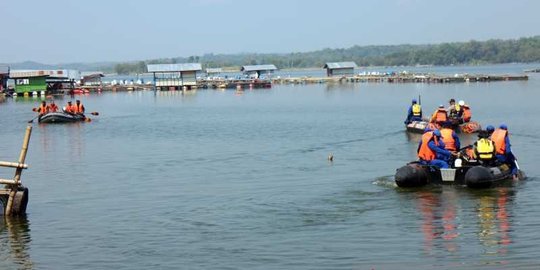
x=524, y=50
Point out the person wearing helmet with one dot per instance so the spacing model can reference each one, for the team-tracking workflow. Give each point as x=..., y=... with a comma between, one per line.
x=490, y=129
x=439, y=116
x=503, y=148
x=414, y=113
x=465, y=113
x=431, y=150
x=484, y=149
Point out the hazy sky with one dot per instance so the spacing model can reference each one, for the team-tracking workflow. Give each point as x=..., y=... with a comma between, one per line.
x=64, y=31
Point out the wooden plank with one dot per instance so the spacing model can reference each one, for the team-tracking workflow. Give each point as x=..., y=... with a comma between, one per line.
x=13, y=165
x=8, y=182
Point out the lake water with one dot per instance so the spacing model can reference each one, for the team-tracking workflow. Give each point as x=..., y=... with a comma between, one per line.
x=240, y=180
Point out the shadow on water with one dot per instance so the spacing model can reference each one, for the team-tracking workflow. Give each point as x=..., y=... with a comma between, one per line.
x=14, y=242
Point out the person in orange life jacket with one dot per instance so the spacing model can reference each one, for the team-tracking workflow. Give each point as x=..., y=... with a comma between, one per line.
x=53, y=107
x=79, y=108
x=449, y=137
x=43, y=108
x=69, y=108
x=503, y=148
x=414, y=113
x=431, y=150
x=439, y=116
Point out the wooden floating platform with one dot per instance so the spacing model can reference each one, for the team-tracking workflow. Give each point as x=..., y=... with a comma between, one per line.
x=402, y=79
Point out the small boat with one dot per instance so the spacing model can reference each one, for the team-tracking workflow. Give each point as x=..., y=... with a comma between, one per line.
x=61, y=117
x=420, y=126
x=79, y=91
x=472, y=175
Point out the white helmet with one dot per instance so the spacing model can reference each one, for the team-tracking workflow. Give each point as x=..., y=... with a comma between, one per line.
x=461, y=103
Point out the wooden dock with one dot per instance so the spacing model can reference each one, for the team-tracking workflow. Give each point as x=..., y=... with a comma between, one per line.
x=401, y=79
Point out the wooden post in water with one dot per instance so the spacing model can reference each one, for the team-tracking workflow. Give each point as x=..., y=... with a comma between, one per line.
x=18, y=171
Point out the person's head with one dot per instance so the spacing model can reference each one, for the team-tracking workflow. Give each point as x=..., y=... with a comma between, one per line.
x=43, y=102
x=452, y=101
x=414, y=101
x=78, y=101
x=461, y=103
x=446, y=124
x=69, y=102
x=503, y=126
x=490, y=128
x=482, y=134
x=437, y=133
x=441, y=107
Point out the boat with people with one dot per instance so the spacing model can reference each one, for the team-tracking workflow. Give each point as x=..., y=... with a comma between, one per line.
x=61, y=117
x=456, y=124
x=416, y=174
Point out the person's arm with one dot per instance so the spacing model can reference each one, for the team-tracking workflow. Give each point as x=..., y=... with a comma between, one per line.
x=438, y=150
x=456, y=139
x=508, y=146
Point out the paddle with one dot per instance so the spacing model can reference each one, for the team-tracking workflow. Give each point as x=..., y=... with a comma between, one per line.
x=33, y=119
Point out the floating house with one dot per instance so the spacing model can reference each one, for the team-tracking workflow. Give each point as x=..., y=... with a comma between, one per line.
x=340, y=69
x=258, y=71
x=92, y=78
x=42, y=81
x=4, y=76
x=174, y=76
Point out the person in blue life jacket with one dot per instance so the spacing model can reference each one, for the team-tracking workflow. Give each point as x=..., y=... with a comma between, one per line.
x=414, y=113
x=503, y=148
x=431, y=150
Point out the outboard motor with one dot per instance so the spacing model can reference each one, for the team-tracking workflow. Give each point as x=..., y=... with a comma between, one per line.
x=411, y=175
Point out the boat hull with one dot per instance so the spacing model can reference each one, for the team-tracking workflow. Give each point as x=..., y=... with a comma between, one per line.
x=60, y=117
x=415, y=174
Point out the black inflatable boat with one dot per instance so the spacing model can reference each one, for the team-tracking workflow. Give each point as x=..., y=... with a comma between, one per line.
x=415, y=174
x=60, y=117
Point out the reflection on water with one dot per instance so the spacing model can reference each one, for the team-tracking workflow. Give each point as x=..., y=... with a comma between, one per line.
x=446, y=221
x=14, y=243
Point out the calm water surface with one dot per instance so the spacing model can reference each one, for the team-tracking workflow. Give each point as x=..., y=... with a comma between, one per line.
x=226, y=180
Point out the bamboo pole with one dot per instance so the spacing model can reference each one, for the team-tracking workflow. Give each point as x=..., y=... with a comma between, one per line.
x=18, y=171
x=7, y=182
x=13, y=165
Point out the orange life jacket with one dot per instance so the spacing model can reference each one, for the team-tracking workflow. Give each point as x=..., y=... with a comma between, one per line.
x=466, y=113
x=53, y=108
x=440, y=116
x=425, y=153
x=448, y=139
x=69, y=108
x=498, y=137
x=78, y=109
x=43, y=109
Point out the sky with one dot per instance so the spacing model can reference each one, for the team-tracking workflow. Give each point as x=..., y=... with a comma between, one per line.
x=69, y=31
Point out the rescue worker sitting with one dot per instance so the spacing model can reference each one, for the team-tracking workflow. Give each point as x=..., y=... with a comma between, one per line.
x=69, y=108
x=439, y=116
x=484, y=149
x=466, y=114
x=450, y=138
x=414, y=113
x=503, y=148
x=43, y=108
x=431, y=150
x=53, y=107
x=78, y=107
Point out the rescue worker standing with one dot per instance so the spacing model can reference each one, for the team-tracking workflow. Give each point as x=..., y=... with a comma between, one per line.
x=450, y=138
x=414, y=113
x=484, y=148
x=431, y=150
x=503, y=148
x=439, y=116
